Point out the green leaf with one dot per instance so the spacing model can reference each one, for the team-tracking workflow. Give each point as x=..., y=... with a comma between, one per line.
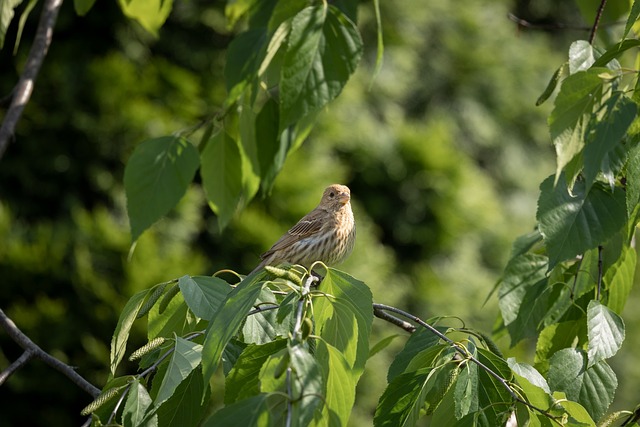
x=523, y=296
x=151, y=14
x=403, y=399
x=344, y=321
x=618, y=280
x=244, y=55
x=227, y=321
x=324, y=48
x=221, y=173
x=605, y=330
x=203, y=294
x=307, y=385
x=242, y=381
x=573, y=223
x=555, y=337
x=155, y=179
x=382, y=344
x=632, y=18
x=419, y=342
x=593, y=387
x=534, y=386
x=340, y=385
x=466, y=390
x=184, y=407
x=6, y=15
x=263, y=327
x=577, y=414
x=175, y=319
x=616, y=51
x=185, y=358
x=83, y=6
x=619, y=113
x=136, y=406
x=572, y=109
x=633, y=189
x=580, y=56
x=551, y=86
x=125, y=322
x=254, y=411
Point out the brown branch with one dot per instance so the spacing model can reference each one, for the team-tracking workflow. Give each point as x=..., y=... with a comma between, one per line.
x=592, y=36
x=381, y=314
x=24, y=88
x=33, y=350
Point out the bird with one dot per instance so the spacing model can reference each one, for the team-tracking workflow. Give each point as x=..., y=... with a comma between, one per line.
x=327, y=233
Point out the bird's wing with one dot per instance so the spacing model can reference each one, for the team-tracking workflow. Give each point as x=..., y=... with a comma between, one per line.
x=307, y=226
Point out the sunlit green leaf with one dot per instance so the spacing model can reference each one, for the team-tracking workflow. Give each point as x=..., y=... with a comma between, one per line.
x=151, y=14
x=340, y=385
x=605, y=330
x=184, y=359
x=253, y=411
x=618, y=280
x=580, y=56
x=6, y=15
x=155, y=179
x=125, y=322
x=556, y=337
x=262, y=327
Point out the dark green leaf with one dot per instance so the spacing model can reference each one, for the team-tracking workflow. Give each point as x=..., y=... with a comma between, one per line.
x=633, y=188
x=617, y=50
x=243, y=381
x=244, y=55
x=230, y=355
x=175, y=319
x=155, y=179
x=184, y=407
x=136, y=406
x=227, y=321
x=221, y=172
x=83, y=6
x=620, y=111
x=573, y=223
x=253, y=411
x=632, y=18
x=324, y=48
x=593, y=387
x=551, y=86
x=556, y=337
x=572, y=109
x=419, y=342
x=466, y=389
x=203, y=294
x=523, y=296
x=382, y=344
x=402, y=400
x=605, y=330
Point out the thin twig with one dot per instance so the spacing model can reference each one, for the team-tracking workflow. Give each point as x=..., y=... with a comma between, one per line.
x=465, y=354
x=381, y=314
x=17, y=364
x=24, y=88
x=592, y=36
x=25, y=342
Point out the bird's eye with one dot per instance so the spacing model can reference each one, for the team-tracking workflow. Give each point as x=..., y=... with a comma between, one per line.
x=332, y=194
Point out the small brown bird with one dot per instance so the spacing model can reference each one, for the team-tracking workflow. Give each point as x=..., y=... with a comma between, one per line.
x=327, y=233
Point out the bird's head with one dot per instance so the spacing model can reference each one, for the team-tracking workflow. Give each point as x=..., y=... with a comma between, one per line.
x=336, y=196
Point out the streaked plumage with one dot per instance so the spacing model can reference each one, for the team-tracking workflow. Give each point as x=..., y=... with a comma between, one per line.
x=327, y=233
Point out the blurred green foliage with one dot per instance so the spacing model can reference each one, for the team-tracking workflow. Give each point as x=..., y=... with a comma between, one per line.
x=443, y=152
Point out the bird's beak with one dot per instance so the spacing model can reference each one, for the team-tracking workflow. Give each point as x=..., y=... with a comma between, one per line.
x=344, y=197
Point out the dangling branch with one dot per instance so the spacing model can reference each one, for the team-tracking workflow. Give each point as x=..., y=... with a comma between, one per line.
x=32, y=350
x=22, y=92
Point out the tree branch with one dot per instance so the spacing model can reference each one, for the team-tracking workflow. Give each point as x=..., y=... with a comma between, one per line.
x=592, y=36
x=462, y=351
x=32, y=350
x=24, y=88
